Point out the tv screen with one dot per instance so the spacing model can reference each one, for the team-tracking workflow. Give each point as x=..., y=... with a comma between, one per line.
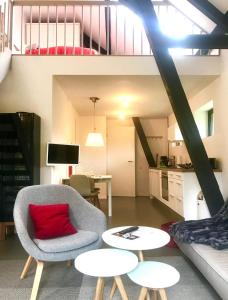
x=62, y=154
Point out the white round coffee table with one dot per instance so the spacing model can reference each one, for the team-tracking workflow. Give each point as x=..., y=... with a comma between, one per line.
x=106, y=263
x=149, y=238
x=154, y=275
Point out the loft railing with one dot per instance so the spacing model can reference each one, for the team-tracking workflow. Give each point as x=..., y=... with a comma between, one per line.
x=89, y=28
x=5, y=25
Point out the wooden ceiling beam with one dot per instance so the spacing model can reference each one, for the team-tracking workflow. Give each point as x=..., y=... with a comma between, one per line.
x=209, y=10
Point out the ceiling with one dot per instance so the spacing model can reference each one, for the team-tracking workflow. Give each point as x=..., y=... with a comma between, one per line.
x=145, y=95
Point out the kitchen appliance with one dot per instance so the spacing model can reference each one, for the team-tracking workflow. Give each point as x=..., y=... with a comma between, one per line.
x=164, y=160
x=172, y=161
x=213, y=162
x=164, y=185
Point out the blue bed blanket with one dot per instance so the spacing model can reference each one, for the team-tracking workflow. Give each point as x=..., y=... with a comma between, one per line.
x=211, y=231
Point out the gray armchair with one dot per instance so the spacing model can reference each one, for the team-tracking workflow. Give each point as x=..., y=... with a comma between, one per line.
x=89, y=221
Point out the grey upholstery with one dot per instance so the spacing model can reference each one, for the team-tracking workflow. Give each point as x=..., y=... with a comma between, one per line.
x=66, y=243
x=83, y=215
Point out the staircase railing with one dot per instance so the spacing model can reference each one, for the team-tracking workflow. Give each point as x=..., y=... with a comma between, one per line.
x=90, y=27
x=5, y=25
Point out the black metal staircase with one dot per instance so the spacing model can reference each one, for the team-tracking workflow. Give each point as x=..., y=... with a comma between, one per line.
x=19, y=157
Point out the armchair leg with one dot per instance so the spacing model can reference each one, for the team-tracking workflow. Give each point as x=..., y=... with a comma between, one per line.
x=69, y=263
x=26, y=267
x=36, y=283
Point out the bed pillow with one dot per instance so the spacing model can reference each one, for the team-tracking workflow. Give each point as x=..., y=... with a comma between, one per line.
x=51, y=220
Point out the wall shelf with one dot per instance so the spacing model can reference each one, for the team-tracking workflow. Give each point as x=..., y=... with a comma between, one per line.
x=154, y=137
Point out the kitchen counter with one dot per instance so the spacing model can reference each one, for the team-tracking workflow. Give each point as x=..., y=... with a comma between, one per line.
x=176, y=169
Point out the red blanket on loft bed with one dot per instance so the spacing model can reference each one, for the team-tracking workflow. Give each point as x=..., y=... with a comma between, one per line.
x=60, y=50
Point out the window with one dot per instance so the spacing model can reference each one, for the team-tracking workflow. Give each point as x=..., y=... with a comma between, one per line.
x=210, y=122
x=204, y=118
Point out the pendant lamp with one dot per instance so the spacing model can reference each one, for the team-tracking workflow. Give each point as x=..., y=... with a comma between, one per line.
x=94, y=139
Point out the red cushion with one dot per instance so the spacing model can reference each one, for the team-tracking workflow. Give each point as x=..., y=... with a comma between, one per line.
x=51, y=220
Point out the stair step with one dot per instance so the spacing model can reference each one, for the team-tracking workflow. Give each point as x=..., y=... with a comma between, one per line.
x=6, y=119
x=8, y=135
x=10, y=193
x=9, y=148
x=10, y=190
x=14, y=172
x=12, y=161
x=17, y=183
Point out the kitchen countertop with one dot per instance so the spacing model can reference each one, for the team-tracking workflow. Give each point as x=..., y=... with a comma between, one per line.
x=175, y=169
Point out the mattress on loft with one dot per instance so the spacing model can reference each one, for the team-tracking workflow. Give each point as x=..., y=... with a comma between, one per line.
x=61, y=50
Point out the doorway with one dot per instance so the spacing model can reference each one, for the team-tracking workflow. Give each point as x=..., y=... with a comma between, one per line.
x=121, y=156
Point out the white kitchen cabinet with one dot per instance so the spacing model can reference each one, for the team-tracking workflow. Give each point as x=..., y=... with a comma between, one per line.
x=155, y=183
x=175, y=188
x=183, y=191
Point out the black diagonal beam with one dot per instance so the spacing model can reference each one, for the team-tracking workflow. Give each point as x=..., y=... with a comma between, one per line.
x=144, y=142
x=180, y=105
x=195, y=41
x=209, y=10
x=215, y=31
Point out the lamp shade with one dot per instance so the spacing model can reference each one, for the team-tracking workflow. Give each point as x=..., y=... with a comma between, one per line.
x=94, y=139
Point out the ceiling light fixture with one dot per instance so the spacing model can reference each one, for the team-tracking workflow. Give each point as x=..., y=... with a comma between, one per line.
x=94, y=139
x=122, y=115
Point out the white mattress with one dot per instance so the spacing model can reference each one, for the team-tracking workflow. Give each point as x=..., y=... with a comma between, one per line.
x=217, y=259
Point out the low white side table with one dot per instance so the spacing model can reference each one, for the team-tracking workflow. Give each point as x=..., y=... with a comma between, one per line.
x=106, y=263
x=154, y=275
x=149, y=238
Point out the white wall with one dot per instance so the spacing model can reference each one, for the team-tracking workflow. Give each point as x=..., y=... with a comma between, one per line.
x=65, y=120
x=216, y=145
x=159, y=146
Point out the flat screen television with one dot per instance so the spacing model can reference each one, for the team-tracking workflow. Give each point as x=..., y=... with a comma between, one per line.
x=66, y=154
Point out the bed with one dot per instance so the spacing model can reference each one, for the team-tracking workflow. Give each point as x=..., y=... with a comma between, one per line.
x=60, y=50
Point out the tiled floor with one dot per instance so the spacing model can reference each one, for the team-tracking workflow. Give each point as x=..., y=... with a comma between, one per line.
x=126, y=211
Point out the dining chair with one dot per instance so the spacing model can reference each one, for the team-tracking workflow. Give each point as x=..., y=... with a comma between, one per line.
x=84, y=186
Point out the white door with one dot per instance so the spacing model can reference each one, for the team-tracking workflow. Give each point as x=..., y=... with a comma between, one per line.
x=121, y=157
